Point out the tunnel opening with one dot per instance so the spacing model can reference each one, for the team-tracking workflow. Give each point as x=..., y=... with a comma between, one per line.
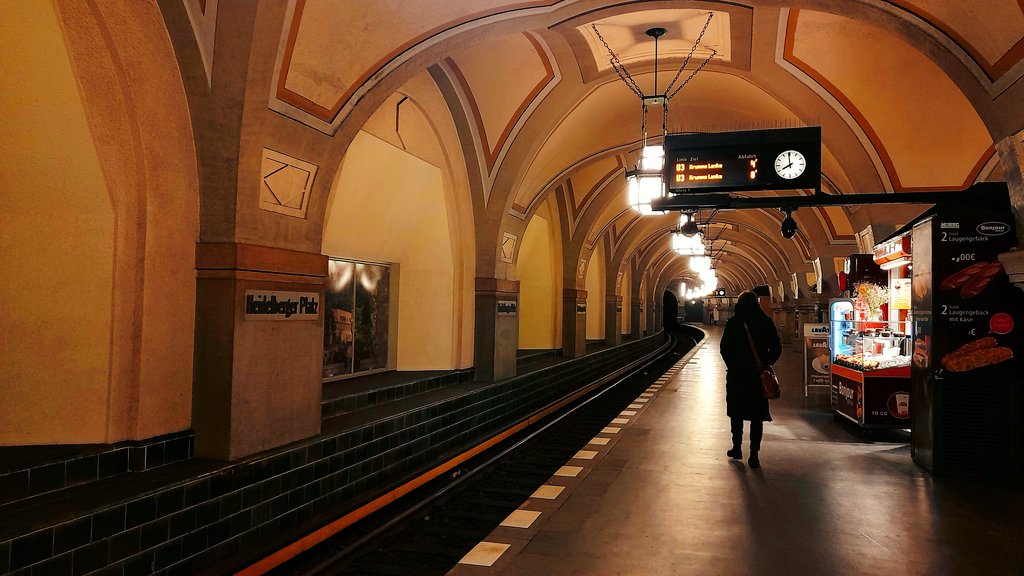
x=693, y=310
x=670, y=310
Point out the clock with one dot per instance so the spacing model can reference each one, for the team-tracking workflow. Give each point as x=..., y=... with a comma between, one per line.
x=790, y=164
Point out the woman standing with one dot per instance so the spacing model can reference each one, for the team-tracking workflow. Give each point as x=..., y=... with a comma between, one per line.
x=744, y=395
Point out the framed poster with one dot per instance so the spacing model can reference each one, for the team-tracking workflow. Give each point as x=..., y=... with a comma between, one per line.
x=357, y=303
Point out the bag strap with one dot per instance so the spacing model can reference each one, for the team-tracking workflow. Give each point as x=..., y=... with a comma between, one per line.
x=750, y=340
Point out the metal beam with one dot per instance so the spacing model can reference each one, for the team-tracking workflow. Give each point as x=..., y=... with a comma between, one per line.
x=982, y=194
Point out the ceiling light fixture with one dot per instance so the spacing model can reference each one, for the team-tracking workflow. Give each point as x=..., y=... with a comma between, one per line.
x=688, y=224
x=647, y=181
x=687, y=239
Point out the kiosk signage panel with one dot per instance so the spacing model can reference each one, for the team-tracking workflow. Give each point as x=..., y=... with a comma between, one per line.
x=968, y=333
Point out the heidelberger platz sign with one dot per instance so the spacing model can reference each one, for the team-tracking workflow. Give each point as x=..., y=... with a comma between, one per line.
x=281, y=305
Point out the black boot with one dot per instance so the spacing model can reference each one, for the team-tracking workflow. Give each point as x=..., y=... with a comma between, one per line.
x=737, y=452
x=753, y=461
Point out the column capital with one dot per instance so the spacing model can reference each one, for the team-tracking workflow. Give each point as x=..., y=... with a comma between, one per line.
x=215, y=258
x=497, y=285
x=574, y=293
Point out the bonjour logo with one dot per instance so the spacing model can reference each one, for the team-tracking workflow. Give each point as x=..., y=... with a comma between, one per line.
x=993, y=228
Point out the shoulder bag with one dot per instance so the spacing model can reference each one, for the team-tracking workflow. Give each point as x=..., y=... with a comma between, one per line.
x=769, y=381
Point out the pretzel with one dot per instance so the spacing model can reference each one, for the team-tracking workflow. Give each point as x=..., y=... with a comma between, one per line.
x=976, y=359
x=977, y=283
x=986, y=342
x=958, y=279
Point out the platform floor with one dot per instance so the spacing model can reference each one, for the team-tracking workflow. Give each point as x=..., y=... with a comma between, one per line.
x=658, y=496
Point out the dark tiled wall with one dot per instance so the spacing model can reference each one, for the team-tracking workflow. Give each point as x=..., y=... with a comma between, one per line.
x=117, y=459
x=353, y=402
x=247, y=507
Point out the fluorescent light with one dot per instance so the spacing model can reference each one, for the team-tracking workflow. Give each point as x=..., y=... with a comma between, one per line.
x=897, y=263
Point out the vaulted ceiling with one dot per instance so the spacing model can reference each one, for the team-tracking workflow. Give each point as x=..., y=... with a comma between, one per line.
x=910, y=96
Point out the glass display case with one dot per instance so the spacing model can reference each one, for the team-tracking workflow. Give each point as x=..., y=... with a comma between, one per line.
x=870, y=361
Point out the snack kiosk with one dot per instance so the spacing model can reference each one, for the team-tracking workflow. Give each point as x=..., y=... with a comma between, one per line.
x=870, y=351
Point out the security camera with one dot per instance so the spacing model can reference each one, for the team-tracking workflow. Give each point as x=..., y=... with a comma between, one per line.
x=789, y=226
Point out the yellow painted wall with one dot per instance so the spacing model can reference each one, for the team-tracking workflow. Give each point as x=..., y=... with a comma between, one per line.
x=389, y=206
x=56, y=242
x=539, y=293
x=595, y=294
x=627, y=301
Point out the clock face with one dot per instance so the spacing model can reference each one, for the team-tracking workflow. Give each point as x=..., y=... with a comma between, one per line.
x=790, y=164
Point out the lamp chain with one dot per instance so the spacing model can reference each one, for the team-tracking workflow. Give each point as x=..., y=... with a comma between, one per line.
x=694, y=73
x=690, y=55
x=617, y=65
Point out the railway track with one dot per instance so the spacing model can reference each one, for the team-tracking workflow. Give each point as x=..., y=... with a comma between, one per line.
x=431, y=529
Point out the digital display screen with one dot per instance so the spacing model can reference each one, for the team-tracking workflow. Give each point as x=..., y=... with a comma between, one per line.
x=782, y=159
x=703, y=168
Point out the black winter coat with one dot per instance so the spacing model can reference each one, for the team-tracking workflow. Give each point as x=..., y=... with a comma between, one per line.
x=744, y=396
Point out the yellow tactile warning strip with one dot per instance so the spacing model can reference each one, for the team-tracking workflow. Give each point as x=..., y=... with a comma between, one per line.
x=484, y=554
x=524, y=522
x=548, y=492
x=569, y=471
x=521, y=519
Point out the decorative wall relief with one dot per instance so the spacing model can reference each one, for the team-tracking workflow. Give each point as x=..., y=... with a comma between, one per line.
x=286, y=183
x=581, y=269
x=508, y=247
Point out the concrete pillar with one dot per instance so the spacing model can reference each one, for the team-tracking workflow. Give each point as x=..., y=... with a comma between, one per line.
x=257, y=373
x=613, y=320
x=652, y=314
x=497, y=329
x=1011, y=154
x=634, y=318
x=574, y=322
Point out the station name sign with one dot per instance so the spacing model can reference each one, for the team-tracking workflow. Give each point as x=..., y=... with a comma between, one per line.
x=507, y=307
x=280, y=305
x=782, y=159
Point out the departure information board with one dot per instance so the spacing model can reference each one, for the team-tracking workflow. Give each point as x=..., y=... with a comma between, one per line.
x=782, y=159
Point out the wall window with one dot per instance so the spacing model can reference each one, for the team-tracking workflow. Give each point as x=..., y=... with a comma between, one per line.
x=356, y=317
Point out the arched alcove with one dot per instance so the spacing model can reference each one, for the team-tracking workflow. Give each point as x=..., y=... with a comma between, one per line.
x=389, y=206
x=59, y=239
x=99, y=223
x=539, y=279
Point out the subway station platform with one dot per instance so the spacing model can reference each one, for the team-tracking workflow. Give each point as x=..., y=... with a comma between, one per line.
x=655, y=494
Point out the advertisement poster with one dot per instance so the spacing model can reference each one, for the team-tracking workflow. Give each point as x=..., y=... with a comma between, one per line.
x=816, y=356
x=967, y=320
x=371, y=316
x=356, y=304
x=886, y=403
x=900, y=290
